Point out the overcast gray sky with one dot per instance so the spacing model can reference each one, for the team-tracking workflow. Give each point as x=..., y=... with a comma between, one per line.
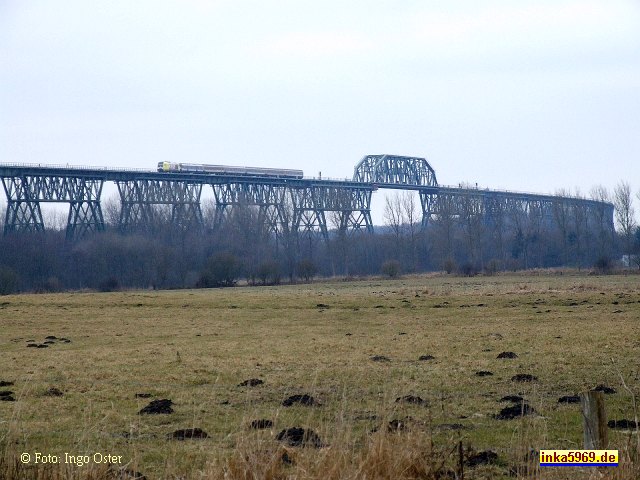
x=520, y=95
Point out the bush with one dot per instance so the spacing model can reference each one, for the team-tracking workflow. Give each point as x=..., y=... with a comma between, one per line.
x=221, y=270
x=306, y=269
x=449, y=265
x=492, y=267
x=468, y=270
x=603, y=265
x=110, y=284
x=391, y=268
x=8, y=281
x=52, y=284
x=269, y=272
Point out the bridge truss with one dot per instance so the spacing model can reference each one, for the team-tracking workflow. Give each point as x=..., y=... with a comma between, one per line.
x=283, y=205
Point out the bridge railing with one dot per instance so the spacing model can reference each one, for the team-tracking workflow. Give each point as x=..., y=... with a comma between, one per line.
x=471, y=188
x=75, y=167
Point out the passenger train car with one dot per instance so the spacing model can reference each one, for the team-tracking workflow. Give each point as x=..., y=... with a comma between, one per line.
x=229, y=170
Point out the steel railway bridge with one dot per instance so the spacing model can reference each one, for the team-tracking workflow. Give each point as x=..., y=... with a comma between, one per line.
x=283, y=204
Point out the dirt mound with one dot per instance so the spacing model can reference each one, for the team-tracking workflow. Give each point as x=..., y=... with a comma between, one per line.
x=424, y=358
x=380, y=358
x=188, y=433
x=396, y=426
x=507, y=355
x=5, y=383
x=484, y=373
x=411, y=399
x=512, y=398
x=143, y=395
x=261, y=424
x=299, y=437
x=515, y=411
x=53, y=392
x=252, y=382
x=286, y=459
x=623, y=424
x=157, y=407
x=569, y=399
x=303, y=399
x=604, y=389
x=482, y=458
x=48, y=340
x=524, y=377
x=7, y=396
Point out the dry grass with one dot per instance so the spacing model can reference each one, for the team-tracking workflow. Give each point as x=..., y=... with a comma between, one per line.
x=195, y=347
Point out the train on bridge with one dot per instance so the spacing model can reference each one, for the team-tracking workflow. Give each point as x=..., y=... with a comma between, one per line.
x=273, y=191
x=229, y=170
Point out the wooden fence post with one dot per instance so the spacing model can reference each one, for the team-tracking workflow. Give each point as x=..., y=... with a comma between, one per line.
x=595, y=421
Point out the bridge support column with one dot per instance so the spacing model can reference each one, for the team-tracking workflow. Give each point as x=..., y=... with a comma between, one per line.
x=350, y=209
x=24, y=194
x=85, y=212
x=139, y=197
x=23, y=216
x=428, y=203
x=270, y=200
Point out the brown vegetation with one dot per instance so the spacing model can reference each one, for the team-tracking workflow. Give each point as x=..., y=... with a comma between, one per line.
x=404, y=418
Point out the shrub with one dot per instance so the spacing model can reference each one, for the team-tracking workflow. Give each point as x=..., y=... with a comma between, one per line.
x=8, y=281
x=391, y=268
x=492, y=267
x=449, y=265
x=468, y=269
x=603, y=264
x=221, y=270
x=52, y=284
x=110, y=284
x=306, y=269
x=269, y=272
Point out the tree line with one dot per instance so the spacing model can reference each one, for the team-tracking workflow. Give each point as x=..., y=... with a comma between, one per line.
x=243, y=248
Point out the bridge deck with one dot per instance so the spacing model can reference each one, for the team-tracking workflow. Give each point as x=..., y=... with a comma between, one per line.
x=26, y=186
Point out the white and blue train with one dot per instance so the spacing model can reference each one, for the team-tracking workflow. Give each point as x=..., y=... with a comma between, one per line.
x=228, y=170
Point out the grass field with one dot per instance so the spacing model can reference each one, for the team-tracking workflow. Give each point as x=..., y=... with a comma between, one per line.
x=195, y=347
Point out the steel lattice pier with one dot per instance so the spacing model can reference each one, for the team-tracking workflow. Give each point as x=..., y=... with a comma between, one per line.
x=283, y=205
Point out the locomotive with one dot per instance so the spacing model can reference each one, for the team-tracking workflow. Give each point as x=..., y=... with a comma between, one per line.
x=228, y=170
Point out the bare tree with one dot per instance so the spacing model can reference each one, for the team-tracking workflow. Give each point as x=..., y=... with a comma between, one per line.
x=526, y=218
x=444, y=224
x=602, y=222
x=394, y=215
x=55, y=218
x=3, y=214
x=111, y=210
x=496, y=216
x=209, y=213
x=400, y=215
x=286, y=234
x=409, y=214
x=625, y=214
x=579, y=234
x=561, y=209
x=472, y=214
